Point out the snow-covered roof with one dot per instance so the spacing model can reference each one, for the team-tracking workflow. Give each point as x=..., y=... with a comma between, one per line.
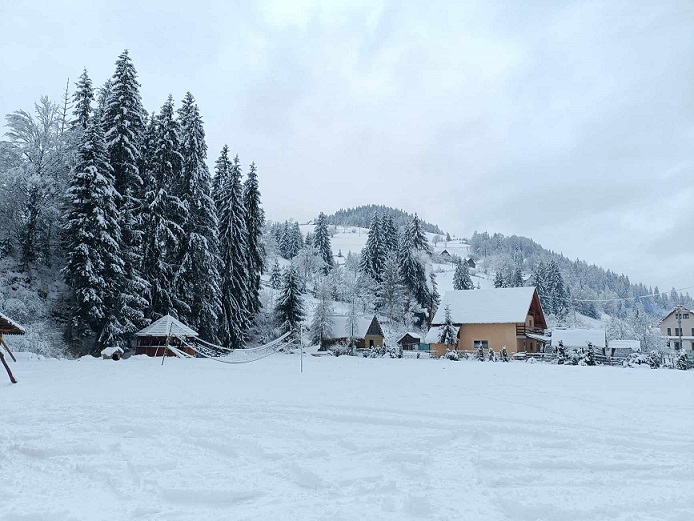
x=108, y=351
x=165, y=325
x=434, y=334
x=634, y=345
x=412, y=334
x=676, y=308
x=486, y=306
x=9, y=326
x=342, y=327
x=578, y=337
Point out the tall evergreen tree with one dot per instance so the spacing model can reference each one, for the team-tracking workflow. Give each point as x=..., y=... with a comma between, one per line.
x=164, y=217
x=124, y=118
x=389, y=234
x=391, y=289
x=290, y=308
x=414, y=258
x=321, y=241
x=198, y=276
x=517, y=281
x=255, y=222
x=94, y=260
x=276, y=276
x=82, y=99
x=461, y=277
x=374, y=252
x=498, y=279
x=233, y=238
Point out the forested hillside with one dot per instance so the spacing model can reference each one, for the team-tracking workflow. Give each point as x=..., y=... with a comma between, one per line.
x=361, y=216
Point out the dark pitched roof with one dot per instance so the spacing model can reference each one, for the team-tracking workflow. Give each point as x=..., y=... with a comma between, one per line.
x=9, y=326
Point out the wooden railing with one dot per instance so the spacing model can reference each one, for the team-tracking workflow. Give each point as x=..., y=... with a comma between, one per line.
x=522, y=329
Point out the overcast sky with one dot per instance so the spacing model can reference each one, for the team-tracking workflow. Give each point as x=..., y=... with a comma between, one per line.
x=570, y=123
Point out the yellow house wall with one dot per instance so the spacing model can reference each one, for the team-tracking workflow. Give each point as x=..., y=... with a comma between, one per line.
x=498, y=335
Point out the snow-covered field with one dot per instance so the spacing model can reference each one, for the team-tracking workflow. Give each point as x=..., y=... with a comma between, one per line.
x=350, y=438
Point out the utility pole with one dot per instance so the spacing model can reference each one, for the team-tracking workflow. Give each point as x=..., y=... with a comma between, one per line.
x=680, y=310
x=301, y=348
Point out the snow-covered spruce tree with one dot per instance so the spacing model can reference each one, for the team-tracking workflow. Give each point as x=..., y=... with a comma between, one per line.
x=276, y=276
x=504, y=354
x=255, y=222
x=321, y=241
x=498, y=280
x=517, y=280
x=82, y=99
x=682, y=362
x=323, y=322
x=414, y=260
x=198, y=278
x=233, y=238
x=94, y=260
x=391, y=290
x=290, y=308
x=491, y=355
x=461, y=277
x=480, y=354
x=124, y=119
x=373, y=254
x=165, y=215
x=390, y=236
x=447, y=334
x=308, y=241
x=103, y=97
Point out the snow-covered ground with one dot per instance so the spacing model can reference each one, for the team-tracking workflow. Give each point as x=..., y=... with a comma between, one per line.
x=350, y=438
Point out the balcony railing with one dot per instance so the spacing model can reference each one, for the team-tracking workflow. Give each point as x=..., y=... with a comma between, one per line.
x=522, y=330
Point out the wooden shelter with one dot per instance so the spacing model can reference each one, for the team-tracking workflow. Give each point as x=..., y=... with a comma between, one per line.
x=410, y=341
x=8, y=327
x=167, y=331
x=366, y=332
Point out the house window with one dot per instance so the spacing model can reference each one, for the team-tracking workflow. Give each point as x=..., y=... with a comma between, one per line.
x=677, y=331
x=484, y=344
x=686, y=316
x=693, y=331
x=692, y=344
x=677, y=345
x=669, y=332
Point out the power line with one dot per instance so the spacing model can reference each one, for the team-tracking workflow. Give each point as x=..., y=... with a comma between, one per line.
x=617, y=299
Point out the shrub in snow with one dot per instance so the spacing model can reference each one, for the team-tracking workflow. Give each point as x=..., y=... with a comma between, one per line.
x=682, y=361
x=480, y=354
x=342, y=349
x=491, y=356
x=452, y=355
x=588, y=357
x=530, y=360
x=655, y=359
x=504, y=354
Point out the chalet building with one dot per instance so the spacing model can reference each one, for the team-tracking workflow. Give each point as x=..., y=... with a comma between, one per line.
x=575, y=339
x=492, y=318
x=471, y=263
x=8, y=327
x=410, y=341
x=367, y=332
x=679, y=322
x=153, y=339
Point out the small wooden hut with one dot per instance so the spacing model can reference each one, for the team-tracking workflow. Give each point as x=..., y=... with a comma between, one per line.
x=410, y=341
x=167, y=331
x=8, y=327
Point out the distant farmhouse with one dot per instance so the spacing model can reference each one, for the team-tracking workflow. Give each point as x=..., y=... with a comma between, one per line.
x=367, y=332
x=678, y=325
x=492, y=318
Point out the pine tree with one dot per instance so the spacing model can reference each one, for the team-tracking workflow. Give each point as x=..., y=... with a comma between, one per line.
x=83, y=97
x=233, y=238
x=414, y=258
x=491, y=355
x=517, y=280
x=498, y=280
x=389, y=235
x=321, y=241
x=94, y=260
x=504, y=354
x=461, y=277
x=276, y=276
x=165, y=216
x=290, y=309
x=255, y=222
x=124, y=118
x=391, y=290
x=373, y=254
x=447, y=333
x=198, y=277
x=323, y=321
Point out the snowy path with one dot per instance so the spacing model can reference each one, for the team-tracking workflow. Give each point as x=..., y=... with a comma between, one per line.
x=348, y=439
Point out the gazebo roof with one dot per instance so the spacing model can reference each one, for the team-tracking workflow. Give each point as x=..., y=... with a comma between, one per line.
x=9, y=326
x=167, y=325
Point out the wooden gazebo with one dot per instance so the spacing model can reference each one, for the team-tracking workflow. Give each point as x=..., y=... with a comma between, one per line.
x=155, y=339
x=8, y=327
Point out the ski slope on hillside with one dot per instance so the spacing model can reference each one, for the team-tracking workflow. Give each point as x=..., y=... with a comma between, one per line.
x=350, y=438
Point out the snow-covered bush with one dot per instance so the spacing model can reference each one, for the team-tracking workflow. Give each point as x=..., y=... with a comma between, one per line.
x=480, y=354
x=491, y=356
x=682, y=361
x=504, y=354
x=452, y=355
x=342, y=349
